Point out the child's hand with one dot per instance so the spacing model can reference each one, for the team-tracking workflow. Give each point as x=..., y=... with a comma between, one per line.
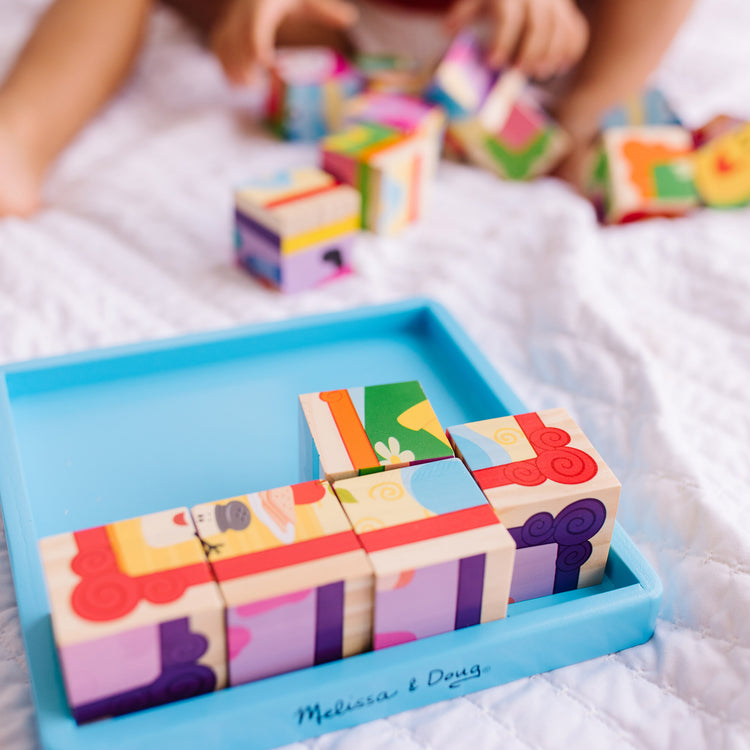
x=245, y=35
x=542, y=38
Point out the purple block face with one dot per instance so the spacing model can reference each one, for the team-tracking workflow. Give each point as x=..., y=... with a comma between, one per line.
x=258, y=251
x=177, y=674
x=416, y=604
x=534, y=572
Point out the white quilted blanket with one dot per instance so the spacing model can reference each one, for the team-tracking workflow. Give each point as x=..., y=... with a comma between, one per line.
x=642, y=332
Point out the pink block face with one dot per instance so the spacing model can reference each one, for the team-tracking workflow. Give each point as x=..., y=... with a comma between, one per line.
x=523, y=125
x=416, y=604
x=399, y=112
x=271, y=637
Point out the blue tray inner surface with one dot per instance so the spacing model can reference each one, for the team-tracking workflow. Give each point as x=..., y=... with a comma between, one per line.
x=97, y=437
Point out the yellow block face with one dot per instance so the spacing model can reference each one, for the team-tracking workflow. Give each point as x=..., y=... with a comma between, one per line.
x=722, y=169
x=272, y=518
x=155, y=543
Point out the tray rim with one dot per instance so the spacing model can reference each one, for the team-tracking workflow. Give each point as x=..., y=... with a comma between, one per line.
x=645, y=592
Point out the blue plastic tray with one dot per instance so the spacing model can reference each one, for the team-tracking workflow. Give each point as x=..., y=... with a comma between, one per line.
x=96, y=437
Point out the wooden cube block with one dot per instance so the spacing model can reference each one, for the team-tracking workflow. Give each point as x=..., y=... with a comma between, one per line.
x=137, y=617
x=552, y=491
x=386, y=166
x=462, y=80
x=391, y=74
x=647, y=171
x=511, y=136
x=648, y=107
x=296, y=582
x=442, y=560
x=355, y=431
x=722, y=169
x=308, y=88
x=296, y=229
x=407, y=115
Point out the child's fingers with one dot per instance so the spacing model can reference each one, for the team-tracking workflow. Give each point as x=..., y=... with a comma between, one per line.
x=558, y=51
x=461, y=13
x=537, y=35
x=336, y=13
x=509, y=21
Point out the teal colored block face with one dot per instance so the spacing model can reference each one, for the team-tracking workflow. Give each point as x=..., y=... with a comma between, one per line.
x=442, y=486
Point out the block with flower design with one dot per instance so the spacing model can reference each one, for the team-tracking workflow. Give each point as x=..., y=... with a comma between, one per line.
x=308, y=88
x=442, y=559
x=137, y=617
x=552, y=491
x=368, y=429
x=296, y=581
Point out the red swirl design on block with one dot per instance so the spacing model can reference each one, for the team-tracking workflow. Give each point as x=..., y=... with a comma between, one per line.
x=555, y=460
x=105, y=593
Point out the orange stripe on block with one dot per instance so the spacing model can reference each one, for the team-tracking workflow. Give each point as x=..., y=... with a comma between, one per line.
x=428, y=528
x=281, y=557
x=301, y=195
x=350, y=428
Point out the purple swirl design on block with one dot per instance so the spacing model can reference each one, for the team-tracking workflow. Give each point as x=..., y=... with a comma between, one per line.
x=571, y=530
x=180, y=678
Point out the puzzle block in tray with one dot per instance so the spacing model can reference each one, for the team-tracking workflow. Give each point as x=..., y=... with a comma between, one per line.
x=296, y=582
x=646, y=171
x=442, y=560
x=308, y=87
x=361, y=430
x=722, y=168
x=386, y=166
x=137, y=618
x=296, y=229
x=553, y=492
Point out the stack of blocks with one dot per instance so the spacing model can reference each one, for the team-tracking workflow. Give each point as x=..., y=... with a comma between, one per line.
x=390, y=539
x=296, y=229
x=296, y=583
x=495, y=123
x=137, y=617
x=552, y=491
x=386, y=166
x=308, y=89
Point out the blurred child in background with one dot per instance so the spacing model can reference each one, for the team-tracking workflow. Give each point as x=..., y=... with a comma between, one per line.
x=82, y=50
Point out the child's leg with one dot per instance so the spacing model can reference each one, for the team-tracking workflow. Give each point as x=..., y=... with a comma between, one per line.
x=79, y=53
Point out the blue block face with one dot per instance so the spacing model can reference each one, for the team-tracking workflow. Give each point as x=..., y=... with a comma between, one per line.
x=648, y=108
x=304, y=113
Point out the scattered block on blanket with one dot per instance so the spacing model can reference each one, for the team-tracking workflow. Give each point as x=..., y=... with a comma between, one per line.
x=551, y=490
x=386, y=166
x=442, y=560
x=646, y=171
x=461, y=80
x=368, y=429
x=308, y=87
x=722, y=169
x=527, y=143
x=297, y=584
x=408, y=115
x=392, y=74
x=296, y=229
x=137, y=617
x=648, y=107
